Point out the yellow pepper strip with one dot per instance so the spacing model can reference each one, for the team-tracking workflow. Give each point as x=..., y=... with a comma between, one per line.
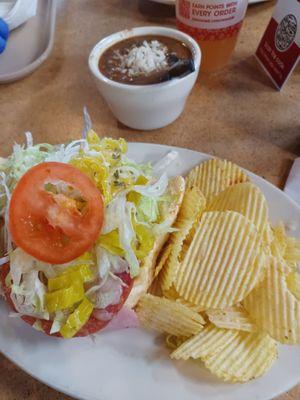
x=84, y=270
x=111, y=242
x=64, y=298
x=114, y=145
x=145, y=240
x=94, y=168
x=85, y=257
x=76, y=275
x=92, y=137
x=77, y=319
x=135, y=197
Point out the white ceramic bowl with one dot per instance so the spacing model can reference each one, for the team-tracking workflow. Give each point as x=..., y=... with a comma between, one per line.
x=145, y=107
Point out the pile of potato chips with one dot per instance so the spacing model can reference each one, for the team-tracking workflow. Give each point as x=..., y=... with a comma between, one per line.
x=226, y=286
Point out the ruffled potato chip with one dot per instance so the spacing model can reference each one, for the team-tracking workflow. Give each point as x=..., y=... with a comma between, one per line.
x=172, y=294
x=173, y=342
x=170, y=268
x=167, y=316
x=246, y=199
x=162, y=258
x=292, y=251
x=279, y=240
x=155, y=288
x=223, y=263
x=214, y=176
x=247, y=356
x=274, y=307
x=205, y=343
x=192, y=207
x=267, y=239
x=235, y=317
x=293, y=284
x=285, y=248
x=231, y=355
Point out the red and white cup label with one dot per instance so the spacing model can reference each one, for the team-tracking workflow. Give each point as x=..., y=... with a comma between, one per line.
x=279, y=49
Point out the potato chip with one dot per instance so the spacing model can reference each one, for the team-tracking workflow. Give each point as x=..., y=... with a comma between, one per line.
x=245, y=357
x=173, y=342
x=279, y=238
x=273, y=307
x=224, y=261
x=192, y=207
x=155, y=288
x=278, y=244
x=246, y=199
x=193, y=204
x=292, y=251
x=167, y=316
x=235, y=317
x=268, y=238
x=205, y=343
x=172, y=294
x=170, y=269
x=193, y=307
x=293, y=284
x=214, y=176
x=278, y=249
x=163, y=257
x=285, y=248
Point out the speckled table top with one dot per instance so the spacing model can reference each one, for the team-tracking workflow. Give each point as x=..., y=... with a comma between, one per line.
x=234, y=114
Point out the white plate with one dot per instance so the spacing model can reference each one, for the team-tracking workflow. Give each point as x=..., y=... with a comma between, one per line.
x=172, y=2
x=133, y=364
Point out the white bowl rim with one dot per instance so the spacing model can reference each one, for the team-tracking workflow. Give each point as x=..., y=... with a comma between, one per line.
x=109, y=40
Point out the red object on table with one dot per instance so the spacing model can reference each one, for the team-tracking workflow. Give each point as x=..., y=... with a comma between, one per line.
x=279, y=50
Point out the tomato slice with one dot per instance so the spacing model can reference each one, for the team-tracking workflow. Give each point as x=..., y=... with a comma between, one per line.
x=93, y=325
x=56, y=212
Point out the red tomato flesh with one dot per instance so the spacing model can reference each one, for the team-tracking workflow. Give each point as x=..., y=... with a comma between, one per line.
x=50, y=225
x=92, y=326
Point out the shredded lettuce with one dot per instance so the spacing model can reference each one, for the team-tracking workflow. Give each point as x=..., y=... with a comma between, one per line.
x=118, y=217
x=108, y=263
x=127, y=236
x=161, y=166
x=147, y=209
x=58, y=321
x=107, y=294
x=27, y=290
x=155, y=190
x=4, y=211
x=108, y=287
x=103, y=262
x=38, y=326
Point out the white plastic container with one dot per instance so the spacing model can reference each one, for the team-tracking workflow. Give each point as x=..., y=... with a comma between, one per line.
x=145, y=107
x=18, y=60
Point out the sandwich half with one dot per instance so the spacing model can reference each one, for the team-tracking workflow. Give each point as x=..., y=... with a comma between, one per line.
x=82, y=227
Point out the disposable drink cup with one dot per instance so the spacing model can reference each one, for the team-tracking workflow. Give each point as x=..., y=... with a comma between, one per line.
x=215, y=25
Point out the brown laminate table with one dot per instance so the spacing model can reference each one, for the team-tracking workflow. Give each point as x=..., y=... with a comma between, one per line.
x=234, y=114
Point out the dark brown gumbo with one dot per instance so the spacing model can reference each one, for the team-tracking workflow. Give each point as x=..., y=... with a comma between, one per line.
x=146, y=60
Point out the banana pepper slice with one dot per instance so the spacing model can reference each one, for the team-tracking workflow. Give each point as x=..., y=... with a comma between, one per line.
x=64, y=298
x=75, y=276
x=77, y=319
x=111, y=242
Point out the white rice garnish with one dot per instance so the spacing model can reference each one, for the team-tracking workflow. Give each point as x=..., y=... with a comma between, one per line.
x=143, y=59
